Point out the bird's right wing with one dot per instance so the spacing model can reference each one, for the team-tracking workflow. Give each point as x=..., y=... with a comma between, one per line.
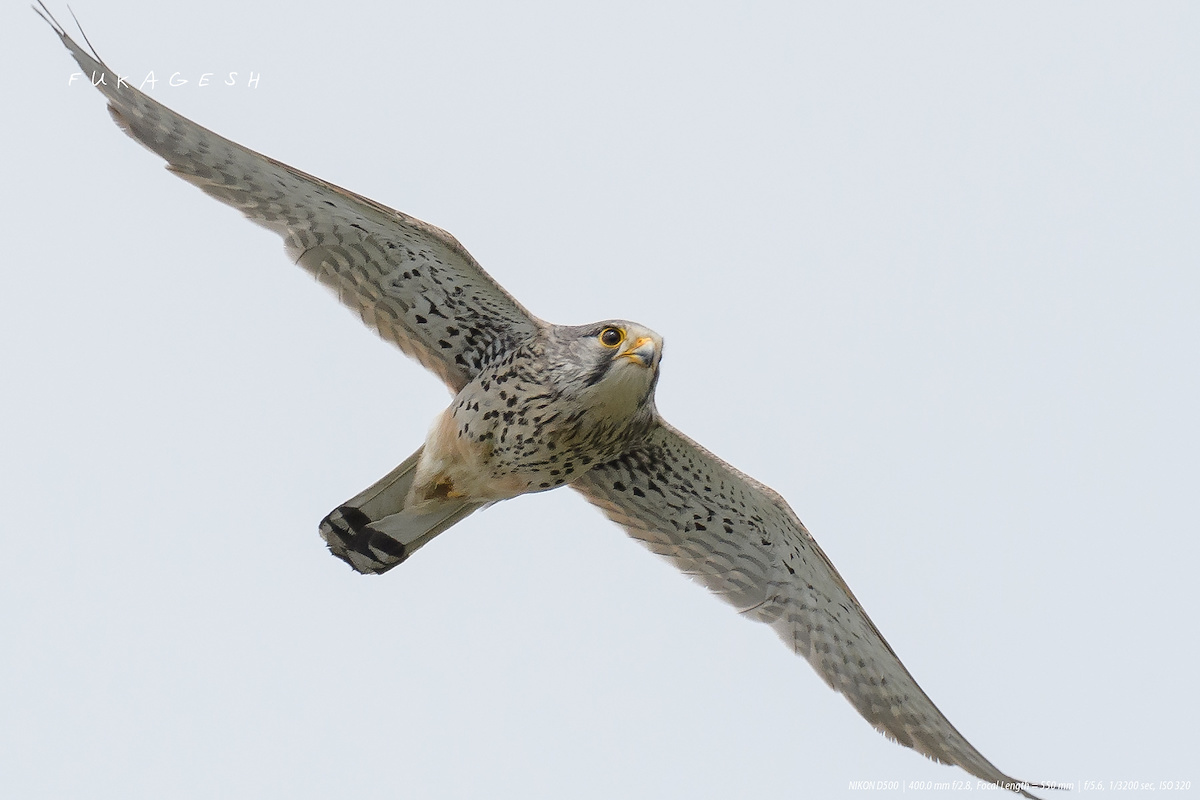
x=744, y=543
x=410, y=281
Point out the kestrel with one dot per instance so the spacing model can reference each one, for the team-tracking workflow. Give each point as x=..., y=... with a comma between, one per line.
x=537, y=406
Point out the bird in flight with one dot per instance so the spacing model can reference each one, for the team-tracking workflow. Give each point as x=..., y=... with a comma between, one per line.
x=537, y=406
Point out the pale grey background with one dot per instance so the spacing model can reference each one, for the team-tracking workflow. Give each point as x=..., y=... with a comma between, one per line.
x=928, y=269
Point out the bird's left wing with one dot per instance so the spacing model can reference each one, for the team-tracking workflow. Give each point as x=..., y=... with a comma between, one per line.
x=410, y=281
x=744, y=543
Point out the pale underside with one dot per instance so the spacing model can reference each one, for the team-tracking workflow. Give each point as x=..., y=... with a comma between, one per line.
x=418, y=288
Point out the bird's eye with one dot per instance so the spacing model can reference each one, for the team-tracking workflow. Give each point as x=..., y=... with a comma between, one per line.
x=611, y=337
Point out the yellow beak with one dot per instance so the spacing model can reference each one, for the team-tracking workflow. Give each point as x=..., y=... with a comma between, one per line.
x=641, y=351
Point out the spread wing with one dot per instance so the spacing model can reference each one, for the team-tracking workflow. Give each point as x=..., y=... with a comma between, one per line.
x=743, y=541
x=410, y=281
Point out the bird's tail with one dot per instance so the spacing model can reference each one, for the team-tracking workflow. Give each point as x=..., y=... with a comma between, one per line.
x=373, y=532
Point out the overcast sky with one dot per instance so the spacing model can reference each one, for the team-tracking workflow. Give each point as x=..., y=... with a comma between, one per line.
x=930, y=270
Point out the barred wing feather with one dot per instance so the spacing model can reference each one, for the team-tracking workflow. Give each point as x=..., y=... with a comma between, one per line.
x=744, y=543
x=410, y=281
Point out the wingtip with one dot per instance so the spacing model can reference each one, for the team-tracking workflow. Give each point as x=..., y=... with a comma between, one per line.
x=1022, y=787
x=88, y=59
x=83, y=33
x=43, y=12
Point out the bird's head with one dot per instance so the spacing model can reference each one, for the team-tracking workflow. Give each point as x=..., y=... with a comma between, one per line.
x=615, y=362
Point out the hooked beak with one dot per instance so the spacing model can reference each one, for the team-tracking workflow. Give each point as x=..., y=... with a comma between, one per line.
x=640, y=352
